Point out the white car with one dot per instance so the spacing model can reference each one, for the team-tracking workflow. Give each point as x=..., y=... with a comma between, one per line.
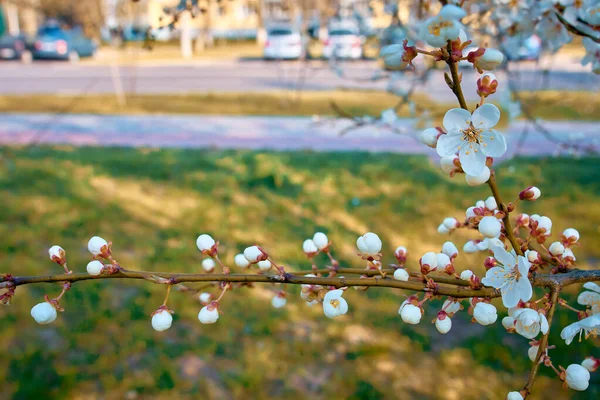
x=283, y=43
x=343, y=43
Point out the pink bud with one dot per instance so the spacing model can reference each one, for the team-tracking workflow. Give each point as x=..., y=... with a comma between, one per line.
x=530, y=194
x=400, y=254
x=489, y=263
x=487, y=84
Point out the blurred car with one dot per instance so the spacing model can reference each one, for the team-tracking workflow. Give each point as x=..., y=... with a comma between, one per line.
x=343, y=43
x=283, y=43
x=54, y=43
x=17, y=47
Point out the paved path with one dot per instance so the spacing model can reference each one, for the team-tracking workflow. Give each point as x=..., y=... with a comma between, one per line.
x=279, y=133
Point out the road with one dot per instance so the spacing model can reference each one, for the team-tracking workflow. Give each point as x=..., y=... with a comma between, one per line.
x=253, y=75
x=278, y=133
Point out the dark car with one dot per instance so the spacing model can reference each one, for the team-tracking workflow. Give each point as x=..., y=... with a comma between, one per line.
x=55, y=43
x=17, y=47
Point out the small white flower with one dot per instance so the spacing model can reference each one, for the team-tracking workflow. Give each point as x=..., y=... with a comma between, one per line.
x=532, y=256
x=44, y=313
x=321, y=240
x=449, y=249
x=489, y=60
x=480, y=204
x=529, y=323
x=450, y=223
x=57, y=254
x=488, y=243
x=568, y=255
x=442, y=260
x=472, y=137
x=466, y=274
x=394, y=57
x=556, y=249
x=571, y=235
x=254, y=254
x=207, y=315
x=208, y=264
x=443, y=323
x=591, y=364
x=400, y=274
x=309, y=247
x=278, y=301
x=590, y=297
x=587, y=326
x=264, y=265
x=334, y=304
x=410, y=313
x=543, y=224
x=429, y=137
x=577, y=377
x=205, y=243
x=490, y=227
x=508, y=322
x=485, y=313
x=490, y=203
x=443, y=230
x=400, y=253
x=436, y=31
x=532, y=352
x=162, y=320
x=205, y=297
x=241, y=261
x=514, y=396
x=97, y=246
x=480, y=179
x=470, y=247
x=369, y=244
x=429, y=260
x=510, y=276
x=94, y=268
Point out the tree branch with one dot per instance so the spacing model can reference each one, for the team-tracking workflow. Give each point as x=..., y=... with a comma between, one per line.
x=506, y=219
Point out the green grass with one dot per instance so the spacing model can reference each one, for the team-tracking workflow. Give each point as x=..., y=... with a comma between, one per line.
x=153, y=203
x=551, y=105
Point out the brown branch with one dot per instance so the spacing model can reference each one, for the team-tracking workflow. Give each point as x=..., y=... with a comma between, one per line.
x=506, y=219
x=456, y=86
x=575, y=30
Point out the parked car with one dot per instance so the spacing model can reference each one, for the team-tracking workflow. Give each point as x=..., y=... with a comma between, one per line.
x=283, y=43
x=54, y=43
x=17, y=47
x=343, y=43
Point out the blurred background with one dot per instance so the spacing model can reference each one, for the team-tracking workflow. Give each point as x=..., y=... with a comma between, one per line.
x=262, y=121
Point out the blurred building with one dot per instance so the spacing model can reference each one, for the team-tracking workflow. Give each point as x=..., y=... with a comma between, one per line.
x=19, y=17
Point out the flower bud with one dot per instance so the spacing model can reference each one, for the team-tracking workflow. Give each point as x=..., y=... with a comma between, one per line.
x=400, y=274
x=451, y=223
x=490, y=203
x=400, y=254
x=98, y=247
x=209, y=314
x=466, y=275
x=570, y=236
x=543, y=226
x=556, y=249
x=487, y=84
x=207, y=245
x=443, y=230
x=509, y=323
x=397, y=57
x=369, y=244
x=577, y=377
x=488, y=61
x=279, y=300
x=532, y=352
x=449, y=249
x=44, y=313
x=485, y=313
x=489, y=263
x=94, y=268
x=58, y=255
x=264, y=265
x=450, y=165
x=428, y=262
x=205, y=297
x=490, y=227
x=514, y=396
x=310, y=248
x=443, y=323
x=429, y=137
x=255, y=254
x=321, y=240
x=470, y=247
x=533, y=256
x=162, y=320
x=443, y=261
x=476, y=180
x=591, y=364
x=410, y=314
x=530, y=194
x=568, y=256
x=451, y=307
x=208, y=264
x=241, y=261
x=480, y=204
x=523, y=220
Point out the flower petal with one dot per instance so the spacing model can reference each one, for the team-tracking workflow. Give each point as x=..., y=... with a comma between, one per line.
x=592, y=286
x=343, y=306
x=493, y=143
x=569, y=332
x=456, y=119
x=544, y=324
x=486, y=116
x=494, y=278
x=333, y=295
x=448, y=144
x=503, y=256
x=588, y=298
x=472, y=159
x=510, y=296
x=523, y=288
x=524, y=266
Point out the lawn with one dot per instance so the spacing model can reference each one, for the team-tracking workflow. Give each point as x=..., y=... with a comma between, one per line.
x=153, y=203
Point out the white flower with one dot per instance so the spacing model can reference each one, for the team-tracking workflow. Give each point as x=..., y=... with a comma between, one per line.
x=577, y=377
x=264, y=265
x=489, y=60
x=429, y=137
x=208, y=264
x=443, y=230
x=321, y=240
x=451, y=307
x=485, y=313
x=490, y=227
x=97, y=246
x=400, y=253
x=466, y=274
x=410, y=313
x=44, y=313
x=254, y=254
x=470, y=247
x=508, y=322
x=571, y=235
x=490, y=203
x=94, y=268
x=448, y=164
x=443, y=323
x=205, y=297
x=208, y=315
x=162, y=320
x=532, y=256
x=400, y=274
x=442, y=260
x=510, y=276
x=309, y=247
x=514, y=396
x=529, y=322
x=436, y=31
x=488, y=243
x=334, y=304
x=589, y=326
x=205, y=243
x=449, y=249
x=472, y=137
x=429, y=260
x=591, y=364
x=369, y=244
x=241, y=261
x=530, y=194
x=590, y=297
x=556, y=249
x=532, y=352
x=57, y=254
x=393, y=57
x=543, y=225
x=450, y=223
x=480, y=179
x=568, y=255
x=278, y=301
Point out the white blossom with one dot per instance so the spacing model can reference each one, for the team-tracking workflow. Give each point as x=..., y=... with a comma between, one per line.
x=205, y=243
x=490, y=227
x=508, y=322
x=393, y=57
x=448, y=164
x=530, y=322
x=321, y=240
x=485, y=313
x=514, y=396
x=162, y=320
x=591, y=364
x=369, y=244
x=264, y=265
x=556, y=249
x=577, y=377
x=489, y=60
x=590, y=297
x=449, y=249
x=490, y=203
x=334, y=304
x=587, y=326
x=429, y=259
x=470, y=247
x=309, y=247
x=94, y=268
x=241, y=261
x=436, y=31
x=410, y=313
x=57, y=254
x=450, y=223
x=208, y=315
x=443, y=323
x=480, y=179
x=532, y=352
x=466, y=274
x=44, y=313
x=400, y=274
x=254, y=254
x=429, y=137
x=205, y=297
x=97, y=245
x=278, y=301
x=443, y=230
x=510, y=276
x=208, y=264
x=572, y=235
x=451, y=307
